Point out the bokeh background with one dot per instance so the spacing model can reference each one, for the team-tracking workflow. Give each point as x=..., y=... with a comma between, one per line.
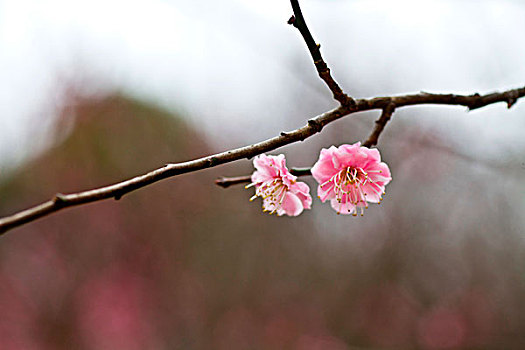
x=94, y=92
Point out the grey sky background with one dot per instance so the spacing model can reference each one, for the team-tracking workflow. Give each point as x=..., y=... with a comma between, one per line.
x=239, y=73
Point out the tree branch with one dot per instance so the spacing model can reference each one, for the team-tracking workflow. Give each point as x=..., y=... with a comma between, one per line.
x=314, y=125
x=298, y=21
x=389, y=105
x=380, y=125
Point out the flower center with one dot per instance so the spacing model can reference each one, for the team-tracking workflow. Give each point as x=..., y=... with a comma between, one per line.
x=272, y=192
x=348, y=186
x=348, y=183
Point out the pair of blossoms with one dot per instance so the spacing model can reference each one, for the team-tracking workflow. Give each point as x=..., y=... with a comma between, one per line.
x=349, y=176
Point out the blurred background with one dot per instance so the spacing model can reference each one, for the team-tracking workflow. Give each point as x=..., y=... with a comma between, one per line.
x=94, y=92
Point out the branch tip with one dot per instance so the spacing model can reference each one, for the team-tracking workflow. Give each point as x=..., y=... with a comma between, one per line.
x=220, y=182
x=226, y=182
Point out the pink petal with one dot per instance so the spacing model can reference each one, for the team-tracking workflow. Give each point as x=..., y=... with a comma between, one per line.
x=374, y=154
x=300, y=187
x=291, y=205
x=258, y=177
x=371, y=195
x=324, y=168
x=302, y=191
x=289, y=179
x=264, y=169
x=306, y=200
x=343, y=208
x=326, y=192
x=340, y=157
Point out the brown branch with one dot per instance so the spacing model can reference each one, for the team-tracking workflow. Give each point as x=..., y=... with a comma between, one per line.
x=380, y=125
x=314, y=125
x=298, y=21
x=389, y=105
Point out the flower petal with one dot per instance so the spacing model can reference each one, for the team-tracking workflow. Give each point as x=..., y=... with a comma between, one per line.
x=343, y=208
x=292, y=205
x=326, y=192
x=324, y=168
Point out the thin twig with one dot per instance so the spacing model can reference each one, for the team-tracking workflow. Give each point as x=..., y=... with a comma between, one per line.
x=380, y=125
x=226, y=182
x=298, y=21
x=314, y=125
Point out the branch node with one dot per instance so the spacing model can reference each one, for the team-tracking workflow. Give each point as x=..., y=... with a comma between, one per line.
x=59, y=199
x=212, y=161
x=513, y=98
x=314, y=124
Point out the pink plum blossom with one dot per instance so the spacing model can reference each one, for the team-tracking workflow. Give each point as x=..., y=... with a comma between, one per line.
x=350, y=176
x=280, y=190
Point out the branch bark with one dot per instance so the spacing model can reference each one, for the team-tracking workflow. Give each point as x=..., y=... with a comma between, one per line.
x=298, y=21
x=347, y=106
x=387, y=113
x=314, y=125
